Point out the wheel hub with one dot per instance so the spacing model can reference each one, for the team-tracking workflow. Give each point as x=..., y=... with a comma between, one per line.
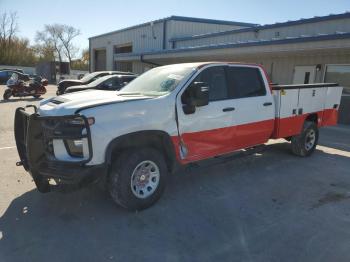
x=145, y=179
x=310, y=139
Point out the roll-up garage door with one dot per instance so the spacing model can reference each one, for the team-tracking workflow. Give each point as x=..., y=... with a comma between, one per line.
x=100, y=60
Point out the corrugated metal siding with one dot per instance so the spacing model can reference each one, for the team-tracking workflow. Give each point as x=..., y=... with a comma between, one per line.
x=145, y=39
x=142, y=39
x=325, y=27
x=280, y=68
x=138, y=67
x=182, y=29
x=283, y=69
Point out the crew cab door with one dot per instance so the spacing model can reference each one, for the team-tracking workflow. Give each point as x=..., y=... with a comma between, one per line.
x=208, y=131
x=254, y=112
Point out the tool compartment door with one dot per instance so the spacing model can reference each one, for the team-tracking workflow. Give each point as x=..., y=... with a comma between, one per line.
x=330, y=113
x=312, y=100
x=286, y=102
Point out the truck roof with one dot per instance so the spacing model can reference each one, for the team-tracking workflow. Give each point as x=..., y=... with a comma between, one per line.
x=202, y=64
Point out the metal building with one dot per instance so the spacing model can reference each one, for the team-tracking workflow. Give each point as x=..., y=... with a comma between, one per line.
x=304, y=51
x=149, y=37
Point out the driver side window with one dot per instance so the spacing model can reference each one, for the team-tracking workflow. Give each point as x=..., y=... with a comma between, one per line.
x=216, y=79
x=108, y=84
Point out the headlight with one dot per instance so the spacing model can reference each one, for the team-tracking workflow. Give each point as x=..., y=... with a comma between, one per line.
x=68, y=137
x=80, y=121
x=74, y=147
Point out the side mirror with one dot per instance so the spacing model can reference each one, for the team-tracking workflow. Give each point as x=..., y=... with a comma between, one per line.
x=199, y=94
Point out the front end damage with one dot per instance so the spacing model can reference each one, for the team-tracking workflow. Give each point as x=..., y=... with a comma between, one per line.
x=55, y=150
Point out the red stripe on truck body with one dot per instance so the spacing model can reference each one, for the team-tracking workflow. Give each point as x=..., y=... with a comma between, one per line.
x=209, y=143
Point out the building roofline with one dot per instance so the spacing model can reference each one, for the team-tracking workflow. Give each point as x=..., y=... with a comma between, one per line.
x=210, y=21
x=288, y=40
x=268, y=26
x=179, y=18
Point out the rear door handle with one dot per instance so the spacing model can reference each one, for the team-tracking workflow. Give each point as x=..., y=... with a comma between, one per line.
x=268, y=104
x=227, y=109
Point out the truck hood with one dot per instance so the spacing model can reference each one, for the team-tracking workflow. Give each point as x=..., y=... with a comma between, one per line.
x=75, y=81
x=68, y=104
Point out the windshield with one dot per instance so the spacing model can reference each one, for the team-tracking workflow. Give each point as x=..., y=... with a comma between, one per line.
x=98, y=81
x=88, y=77
x=158, y=81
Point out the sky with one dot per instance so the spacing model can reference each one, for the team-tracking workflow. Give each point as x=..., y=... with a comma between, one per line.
x=94, y=18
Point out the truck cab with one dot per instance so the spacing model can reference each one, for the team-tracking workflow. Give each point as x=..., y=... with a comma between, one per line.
x=169, y=116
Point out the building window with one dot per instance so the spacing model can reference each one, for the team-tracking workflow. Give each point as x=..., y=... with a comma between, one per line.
x=120, y=49
x=338, y=74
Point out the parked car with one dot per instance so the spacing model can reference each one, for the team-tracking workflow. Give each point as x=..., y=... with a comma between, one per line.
x=13, y=69
x=169, y=116
x=87, y=79
x=109, y=82
x=5, y=75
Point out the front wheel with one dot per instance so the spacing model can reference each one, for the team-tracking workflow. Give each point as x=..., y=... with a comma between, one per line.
x=305, y=143
x=137, y=178
x=7, y=94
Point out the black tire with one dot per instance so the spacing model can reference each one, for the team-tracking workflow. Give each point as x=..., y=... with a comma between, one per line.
x=7, y=94
x=119, y=178
x=302, y=144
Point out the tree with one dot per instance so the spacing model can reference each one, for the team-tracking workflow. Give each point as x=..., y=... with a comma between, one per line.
x=67, y=34
x=49, y=38
x=14, y=50
x=60, y=37
x=85, y=57
x=83, y=62
x=8, y=26
x=45, y=52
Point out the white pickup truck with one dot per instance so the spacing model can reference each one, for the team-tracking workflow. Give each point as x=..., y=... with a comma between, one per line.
x=170, y=115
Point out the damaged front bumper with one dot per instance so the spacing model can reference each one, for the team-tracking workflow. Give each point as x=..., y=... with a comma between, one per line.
x=37, y=140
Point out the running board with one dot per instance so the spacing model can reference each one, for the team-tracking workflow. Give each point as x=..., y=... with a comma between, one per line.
x=228, y=157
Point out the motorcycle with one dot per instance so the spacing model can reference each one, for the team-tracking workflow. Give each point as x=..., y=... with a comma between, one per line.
x=18, y=88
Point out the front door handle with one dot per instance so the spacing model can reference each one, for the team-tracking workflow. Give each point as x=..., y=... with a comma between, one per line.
x=227, y=109
x=268, y=104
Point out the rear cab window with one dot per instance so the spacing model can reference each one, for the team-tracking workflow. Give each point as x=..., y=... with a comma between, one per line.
x=245, y=82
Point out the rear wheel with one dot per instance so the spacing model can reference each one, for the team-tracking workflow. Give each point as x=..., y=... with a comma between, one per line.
x=7, y=94
x=305, y=143
x=137, y=178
